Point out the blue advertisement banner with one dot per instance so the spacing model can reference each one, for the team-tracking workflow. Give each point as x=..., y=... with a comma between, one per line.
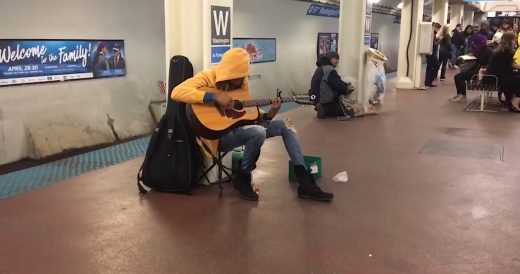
x=323, y=10
x=217, y=52
x=259, y=49
x=36, y=61
x=366, y=41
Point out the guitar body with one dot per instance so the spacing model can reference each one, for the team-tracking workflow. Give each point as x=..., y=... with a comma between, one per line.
x=211, y=122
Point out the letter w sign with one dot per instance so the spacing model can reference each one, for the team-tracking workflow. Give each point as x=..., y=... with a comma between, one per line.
x=220, y=25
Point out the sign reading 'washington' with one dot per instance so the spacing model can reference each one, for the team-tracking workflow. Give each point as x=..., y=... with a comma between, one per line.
x=220, y=25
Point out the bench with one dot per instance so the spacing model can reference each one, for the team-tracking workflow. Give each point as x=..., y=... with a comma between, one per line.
x=486, y=102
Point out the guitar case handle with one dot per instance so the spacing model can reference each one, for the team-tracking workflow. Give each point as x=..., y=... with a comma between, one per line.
x=278, y=93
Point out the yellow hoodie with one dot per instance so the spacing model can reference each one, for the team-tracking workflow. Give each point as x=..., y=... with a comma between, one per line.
x=517, y=53
x=234, y=65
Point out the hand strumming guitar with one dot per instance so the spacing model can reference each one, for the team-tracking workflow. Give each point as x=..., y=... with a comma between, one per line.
x=275, y=107
x=223, y=100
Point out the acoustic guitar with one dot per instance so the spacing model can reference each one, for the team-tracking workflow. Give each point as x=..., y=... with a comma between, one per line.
x=211, y=121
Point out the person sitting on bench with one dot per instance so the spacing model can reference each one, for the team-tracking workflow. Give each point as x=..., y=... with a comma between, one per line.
x=503, y=66
x=231, y=74
x=479, y=49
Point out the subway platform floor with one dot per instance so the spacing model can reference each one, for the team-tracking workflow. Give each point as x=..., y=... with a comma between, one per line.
x=432, y=189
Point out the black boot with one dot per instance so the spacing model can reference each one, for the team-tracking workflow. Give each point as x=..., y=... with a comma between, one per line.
x=308, y=188
x=242, y=183
x=320, y=111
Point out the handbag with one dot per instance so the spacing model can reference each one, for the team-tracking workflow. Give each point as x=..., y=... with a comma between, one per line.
x=467, y=63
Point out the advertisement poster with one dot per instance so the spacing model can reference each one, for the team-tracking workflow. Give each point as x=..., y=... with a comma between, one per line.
x=259, y=49
x=366, y=40
x=374, y=40
x=36, y=61
x=327, y=42
x=220, y=32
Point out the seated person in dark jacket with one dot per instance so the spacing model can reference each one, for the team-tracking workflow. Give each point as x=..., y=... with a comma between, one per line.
x=503, y=66
x=478, y=48
x=328, y=62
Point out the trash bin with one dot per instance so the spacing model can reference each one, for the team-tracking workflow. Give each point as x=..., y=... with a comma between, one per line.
x=313, y=164
x=375, y=76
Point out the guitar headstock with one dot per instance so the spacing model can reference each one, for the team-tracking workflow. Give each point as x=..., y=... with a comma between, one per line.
x=303, y=99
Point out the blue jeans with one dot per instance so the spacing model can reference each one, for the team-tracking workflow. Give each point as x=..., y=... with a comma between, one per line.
x=253, y=137
x=454, y=56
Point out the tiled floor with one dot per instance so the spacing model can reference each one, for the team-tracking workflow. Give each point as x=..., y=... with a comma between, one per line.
x=401, y=211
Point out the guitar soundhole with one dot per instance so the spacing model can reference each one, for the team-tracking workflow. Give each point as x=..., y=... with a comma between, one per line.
x=237, y=111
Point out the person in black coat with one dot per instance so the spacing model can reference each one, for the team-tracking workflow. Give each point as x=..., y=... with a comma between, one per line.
x=444, y=50
x=458, y=43
x=329, y=61
x=432, y=60
x=503, y=65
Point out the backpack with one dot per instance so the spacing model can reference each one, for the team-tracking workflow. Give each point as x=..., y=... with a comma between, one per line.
x=173, y=158
x=327, y=94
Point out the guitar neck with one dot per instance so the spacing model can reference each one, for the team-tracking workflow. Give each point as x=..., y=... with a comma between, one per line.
x=266, y=102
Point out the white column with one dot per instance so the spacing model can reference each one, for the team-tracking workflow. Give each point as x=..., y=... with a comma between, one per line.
x=479, y=18
x=468, y=17
x=409, y=69
x=351, y=44
x=457, y=13
x=184, y=31
x=440, y=11
x=188, y=29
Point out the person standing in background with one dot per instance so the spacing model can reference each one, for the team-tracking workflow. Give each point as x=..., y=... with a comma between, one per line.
x=444, y=50
x=516, y=30
x=468, y=34
x=484, y=29
x=504, y=27
x=457, y=45
x=432, y=60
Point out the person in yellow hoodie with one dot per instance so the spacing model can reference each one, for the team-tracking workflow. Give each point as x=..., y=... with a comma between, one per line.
x=517, y=51
x=231, y=74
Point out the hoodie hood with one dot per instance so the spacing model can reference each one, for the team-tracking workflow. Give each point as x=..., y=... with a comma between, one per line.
x=234, y=65
x=325, y=59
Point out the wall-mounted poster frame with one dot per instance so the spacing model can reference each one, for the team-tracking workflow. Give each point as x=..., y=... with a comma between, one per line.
x=327, y=41
x=260, y=50
x=28, y=61
x=374, y=40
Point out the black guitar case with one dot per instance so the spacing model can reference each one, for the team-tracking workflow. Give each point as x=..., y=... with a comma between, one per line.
x=173, y=159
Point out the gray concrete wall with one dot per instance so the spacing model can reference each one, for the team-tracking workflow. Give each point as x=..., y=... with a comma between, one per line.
x=297, y=35
x=44, y=119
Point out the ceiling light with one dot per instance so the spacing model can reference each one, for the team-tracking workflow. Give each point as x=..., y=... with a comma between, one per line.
x=400, y=6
